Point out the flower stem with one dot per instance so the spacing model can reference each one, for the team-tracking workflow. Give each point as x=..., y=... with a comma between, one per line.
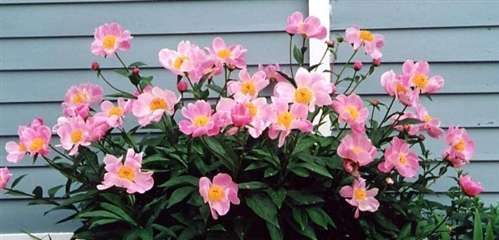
x=291, y=55
x=122, y=62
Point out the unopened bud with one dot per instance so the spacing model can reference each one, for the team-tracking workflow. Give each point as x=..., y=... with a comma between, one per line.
x=135, y=71
x=374, y=101
x=377, y=62
x=330, y=43
x=182, y=86
x=95, y=66
x=339, y=39
x=389, y=181
x=357, y=65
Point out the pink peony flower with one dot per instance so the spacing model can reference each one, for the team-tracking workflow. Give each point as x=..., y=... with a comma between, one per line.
x=240, y=115
x=461, y=147
x=33, y=139
x=109, y=38
x=430, y=124
x=188, y=59
x=113, y=114
x=5, y=176
x=309, y=28
x=248, y=86
x=219, y=194
x=400, y=87
x=233, y=56
x=152, y=104
x=399, y=156
x=126, y=175
x=312, y=89
x=79, y=98
x=469, y=186
x=200, y=120
x=286, y=118
x=272, y=72
x=97, y=128
x=351, y=110
x=419, y=76
x=357, y=150
x=73, y=132
x=258, y=110
x=371, y=42
x=360, y=197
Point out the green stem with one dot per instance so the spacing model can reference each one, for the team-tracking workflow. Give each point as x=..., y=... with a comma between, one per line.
x=121, y=61
x=99, y=74
x=387, y=111
x=345, y=66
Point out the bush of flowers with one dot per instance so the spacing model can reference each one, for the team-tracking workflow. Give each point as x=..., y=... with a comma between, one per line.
x=238, y=154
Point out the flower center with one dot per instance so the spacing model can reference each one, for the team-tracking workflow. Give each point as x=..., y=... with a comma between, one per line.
x=108, y=42
x=303, y=95
x=248, y=88
x=420, y=80
x=79, y=98
x=179, y=61
x=402, y=159
x=201, y=121
x=285, y=119
x=224, y=53
x=22, y=147
x=459, y=146
x=359, y=194
x=157, y=103
x=215, y=193
x=253, y=110
x=400, y=89
x=352, y=111
x=37, y=144
x=366, y=36
x=126, y=173
x=76, y=136
x=357, y=150
x=427, y=118
x=115, y=111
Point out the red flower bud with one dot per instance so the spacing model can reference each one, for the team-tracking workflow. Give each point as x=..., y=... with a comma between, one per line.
x=330, y=43
x=377, y=62
x=182, y=86
x=357, y=65
x=135, y=71
x=95, y=66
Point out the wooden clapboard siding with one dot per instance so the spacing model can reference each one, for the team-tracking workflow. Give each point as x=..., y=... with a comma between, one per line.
x=44, y=46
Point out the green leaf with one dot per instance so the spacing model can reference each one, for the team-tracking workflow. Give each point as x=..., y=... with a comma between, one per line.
x=53, y=191
x=304, y=198
x=38, y=192
x=300, y=217
x=408, y=121
x=320, y=217
x=489, y=232
x=277, y=196
x=179, y=195
x=119, y=212
x=122, y=72
x=299, y=171
x=297, y=54
x=164, y=231
x=477, y=226
x=223, y=153
x=274, y=232
x=316, y=168
x=263, y=207
x=137, y=64
x=252, y=185
x=215, y=87
x=180, y=180
x=146, y=234
x=98, y=214
x=101, y=222
x=17, y=180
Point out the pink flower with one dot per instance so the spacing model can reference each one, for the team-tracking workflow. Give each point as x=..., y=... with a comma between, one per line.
x=200, y=120
x=248, y=86
x=151, y=105
x=5, y=176
x=469, y=186
x=309, y=28
x=360, y=197
x=372, y=43
x=286, y=118
x=399, y=156
x=219, y=194
x=272, y=72
x=79, y=98
x=188, y=59
x=312, y=89
x=351, y=110
x=182, y=86
x=233, y=56
x=357, y=149
x=113, y=114
x=419, y=76
x=259, y=111
x=461, y=146
x=400, y=87
x=97, y=128
x=430, y=124
x=33, y=139
x=240, y=115
x=109, y=38
x=126, y=175
x=73, y=132
x=357, y=65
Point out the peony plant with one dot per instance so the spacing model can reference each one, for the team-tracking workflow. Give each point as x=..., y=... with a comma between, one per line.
x=237, y=153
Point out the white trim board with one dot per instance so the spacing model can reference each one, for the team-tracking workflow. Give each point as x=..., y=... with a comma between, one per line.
x=23, y=236
x=318, y=8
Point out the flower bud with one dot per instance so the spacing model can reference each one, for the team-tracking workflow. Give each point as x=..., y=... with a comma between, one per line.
x=182, y=86
x=377, y=62
x=135, y=71
x=374, y=101
x=389, y=181
x=357, y=65
x=95, y=66
x=339, y=39
x=330, y=43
